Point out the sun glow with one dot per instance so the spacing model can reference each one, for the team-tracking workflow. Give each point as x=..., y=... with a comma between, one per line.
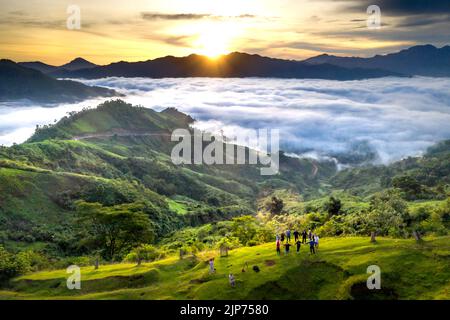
x=215, y=39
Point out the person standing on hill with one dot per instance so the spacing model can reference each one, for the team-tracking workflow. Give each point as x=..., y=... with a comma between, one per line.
x=288, y=235
x=211, y=266
x=304, y=236
x=286, y=248
x=311, y=246
x=232, y=280
x=309, y=234
x=296, y=234
x=282, y=237
x=278, y=247
x=298, y=245
x=316, y=241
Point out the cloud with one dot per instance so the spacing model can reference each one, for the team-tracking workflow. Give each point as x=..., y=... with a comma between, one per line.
x=400, y=7
x=390, y=117
x=417, y=20
x=174, y=16
x=189, y=16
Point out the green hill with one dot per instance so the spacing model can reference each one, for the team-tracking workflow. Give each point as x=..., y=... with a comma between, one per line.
x=116, y=154
x=409, y=270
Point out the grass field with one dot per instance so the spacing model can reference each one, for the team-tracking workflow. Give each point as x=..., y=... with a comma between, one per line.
x=409, y=270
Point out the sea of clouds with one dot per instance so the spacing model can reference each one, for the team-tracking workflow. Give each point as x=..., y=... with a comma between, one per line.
x=389, y=117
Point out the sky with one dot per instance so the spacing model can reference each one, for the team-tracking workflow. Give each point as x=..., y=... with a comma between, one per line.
x=136, y=30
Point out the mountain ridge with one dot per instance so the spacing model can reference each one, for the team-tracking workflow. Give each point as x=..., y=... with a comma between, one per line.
x=19, y=82
x=422, y=60
x=232, y=65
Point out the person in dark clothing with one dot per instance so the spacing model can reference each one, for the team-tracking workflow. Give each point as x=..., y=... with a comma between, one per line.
x=312, y=244
x=286, y=247
x=278, y=247
x=296, y=234
x=288, y=235
x=304, y=236
x=282, y=237
x=298, y=245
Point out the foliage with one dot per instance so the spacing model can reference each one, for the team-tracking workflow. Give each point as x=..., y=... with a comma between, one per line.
x=144, y=252
x=333, y=206
x=276, y=206
x=113, y=230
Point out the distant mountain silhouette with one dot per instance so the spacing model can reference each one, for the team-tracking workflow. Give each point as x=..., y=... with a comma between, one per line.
x=423, y=60
x=75, y=64
x=18, y=82
x=231, y=65
x=39, y=66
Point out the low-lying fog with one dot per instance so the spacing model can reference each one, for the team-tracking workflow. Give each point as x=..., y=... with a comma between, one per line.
x=386, y=119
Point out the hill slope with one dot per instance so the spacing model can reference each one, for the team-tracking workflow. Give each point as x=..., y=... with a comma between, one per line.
x=75, y=64
x=117, y=154
x=409, y=270
x=18, y=82
x=424, y=60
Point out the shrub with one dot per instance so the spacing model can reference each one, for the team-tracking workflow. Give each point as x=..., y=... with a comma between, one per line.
x=144, y=252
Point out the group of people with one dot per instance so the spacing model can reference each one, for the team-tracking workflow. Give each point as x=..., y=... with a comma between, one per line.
x=307, y=237
x=282, y=239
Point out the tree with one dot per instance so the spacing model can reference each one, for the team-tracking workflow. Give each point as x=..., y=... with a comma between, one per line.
x=333, y=206
x=113, y=230
x=12, y=265
x=244, y=228
x=276, y=206
x=409, y=185
x=387, y=213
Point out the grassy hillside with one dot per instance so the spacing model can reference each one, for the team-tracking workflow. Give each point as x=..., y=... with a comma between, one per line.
x=409, y=270
x=100, y=184
x=116, y=154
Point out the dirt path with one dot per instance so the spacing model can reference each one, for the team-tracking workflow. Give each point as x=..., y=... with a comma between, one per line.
x=119, y=134
x=315, y=169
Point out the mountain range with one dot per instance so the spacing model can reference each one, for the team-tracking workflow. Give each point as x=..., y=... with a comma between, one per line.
x=19, y=82
x=38, y=81
x=75, y=64
x=236, y=65
x=423, y=60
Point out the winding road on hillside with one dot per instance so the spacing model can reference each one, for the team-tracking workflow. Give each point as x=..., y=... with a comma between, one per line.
x=118, y=134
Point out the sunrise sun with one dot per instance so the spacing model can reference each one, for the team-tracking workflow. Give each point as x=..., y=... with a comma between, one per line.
x=215, y=40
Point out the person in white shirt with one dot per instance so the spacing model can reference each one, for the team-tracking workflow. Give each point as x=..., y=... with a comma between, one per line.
x=232, y=280
x=316, y=240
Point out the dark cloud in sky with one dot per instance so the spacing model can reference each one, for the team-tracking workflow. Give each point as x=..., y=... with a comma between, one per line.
x=188, y=16
x=401, y=7
x=418, y=20
x=174, y=16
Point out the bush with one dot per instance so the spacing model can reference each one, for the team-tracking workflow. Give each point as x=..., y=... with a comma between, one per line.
x=12, y=265
x=144, y=252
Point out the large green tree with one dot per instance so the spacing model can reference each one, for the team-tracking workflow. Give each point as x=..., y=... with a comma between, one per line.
x=113, y=230
x=387, y=213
